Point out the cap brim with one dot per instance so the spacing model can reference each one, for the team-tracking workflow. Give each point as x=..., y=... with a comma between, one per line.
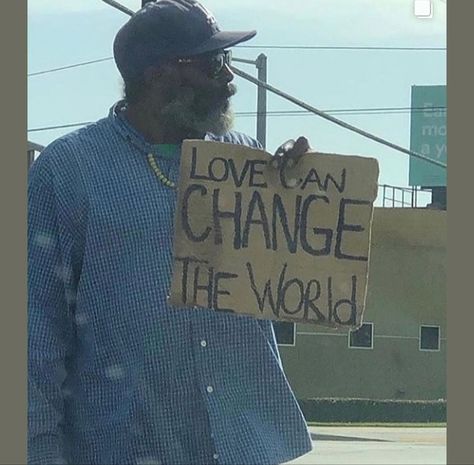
x=222, y=40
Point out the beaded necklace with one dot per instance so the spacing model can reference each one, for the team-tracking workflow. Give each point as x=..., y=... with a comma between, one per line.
x=159, y=174
x=151, y=160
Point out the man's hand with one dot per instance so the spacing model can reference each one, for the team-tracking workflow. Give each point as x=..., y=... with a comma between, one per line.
x=289, y=153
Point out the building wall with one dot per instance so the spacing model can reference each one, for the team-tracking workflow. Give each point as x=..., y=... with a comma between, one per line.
x=406, y=289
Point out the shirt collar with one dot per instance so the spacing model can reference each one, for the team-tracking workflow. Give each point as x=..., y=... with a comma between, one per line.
x=131, y=135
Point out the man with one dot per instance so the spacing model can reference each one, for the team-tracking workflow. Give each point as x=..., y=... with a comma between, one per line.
x=115, y=375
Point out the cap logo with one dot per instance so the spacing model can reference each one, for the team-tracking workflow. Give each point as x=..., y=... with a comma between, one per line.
x=211, y=20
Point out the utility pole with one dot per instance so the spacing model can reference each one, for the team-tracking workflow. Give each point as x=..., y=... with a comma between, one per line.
x=261, y=64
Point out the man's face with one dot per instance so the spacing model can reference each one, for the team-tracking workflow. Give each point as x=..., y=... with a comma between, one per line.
x=195, y=96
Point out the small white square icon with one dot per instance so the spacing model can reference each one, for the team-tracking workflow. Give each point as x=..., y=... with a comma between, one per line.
x=423, y=8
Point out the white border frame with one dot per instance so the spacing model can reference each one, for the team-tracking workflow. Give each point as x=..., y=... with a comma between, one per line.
x=294, y=335
x=439, y=338
x=371, y=337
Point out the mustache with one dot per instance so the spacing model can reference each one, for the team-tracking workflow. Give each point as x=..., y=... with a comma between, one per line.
x=232, y=89
x=228, y=91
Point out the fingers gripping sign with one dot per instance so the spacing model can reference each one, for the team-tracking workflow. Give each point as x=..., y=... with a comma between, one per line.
x=289, y=153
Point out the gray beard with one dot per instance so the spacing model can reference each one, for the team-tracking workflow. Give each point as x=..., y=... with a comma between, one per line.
x=181, y=112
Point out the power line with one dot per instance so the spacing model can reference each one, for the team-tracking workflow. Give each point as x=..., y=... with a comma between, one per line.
x=341, y=114
x=70, y=66
x=62, y=126
x=307, y=113
x=347, y=111
x=275, y=47
x=350, y=111
x=331, y=47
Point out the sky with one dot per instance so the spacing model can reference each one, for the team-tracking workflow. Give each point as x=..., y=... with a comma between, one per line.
x=66, y=32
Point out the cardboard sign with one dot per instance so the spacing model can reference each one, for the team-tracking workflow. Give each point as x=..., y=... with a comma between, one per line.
x=282, y=244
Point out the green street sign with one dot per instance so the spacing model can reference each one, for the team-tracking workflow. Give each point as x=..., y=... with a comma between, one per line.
x=428, y=135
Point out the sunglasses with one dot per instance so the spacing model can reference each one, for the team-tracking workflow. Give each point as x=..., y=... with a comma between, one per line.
x=211, y=64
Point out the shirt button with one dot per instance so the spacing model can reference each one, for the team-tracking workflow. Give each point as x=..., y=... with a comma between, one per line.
x=210, y=389
x=203, y=343
x=215, y=456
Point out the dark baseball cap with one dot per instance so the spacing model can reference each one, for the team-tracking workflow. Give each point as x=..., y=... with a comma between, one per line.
x=166, y=29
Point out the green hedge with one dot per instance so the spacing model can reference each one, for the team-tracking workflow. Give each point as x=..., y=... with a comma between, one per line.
x=373, y=411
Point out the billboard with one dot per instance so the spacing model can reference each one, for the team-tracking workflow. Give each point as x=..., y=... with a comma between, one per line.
x=428, y=135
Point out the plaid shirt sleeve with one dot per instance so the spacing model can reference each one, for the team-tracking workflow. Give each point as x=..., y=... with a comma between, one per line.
x=53, y=270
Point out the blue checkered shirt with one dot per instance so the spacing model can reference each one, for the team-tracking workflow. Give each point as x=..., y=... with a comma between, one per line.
x=114, y=375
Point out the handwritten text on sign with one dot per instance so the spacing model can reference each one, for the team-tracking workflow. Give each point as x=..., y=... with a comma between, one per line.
x=290, y=245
